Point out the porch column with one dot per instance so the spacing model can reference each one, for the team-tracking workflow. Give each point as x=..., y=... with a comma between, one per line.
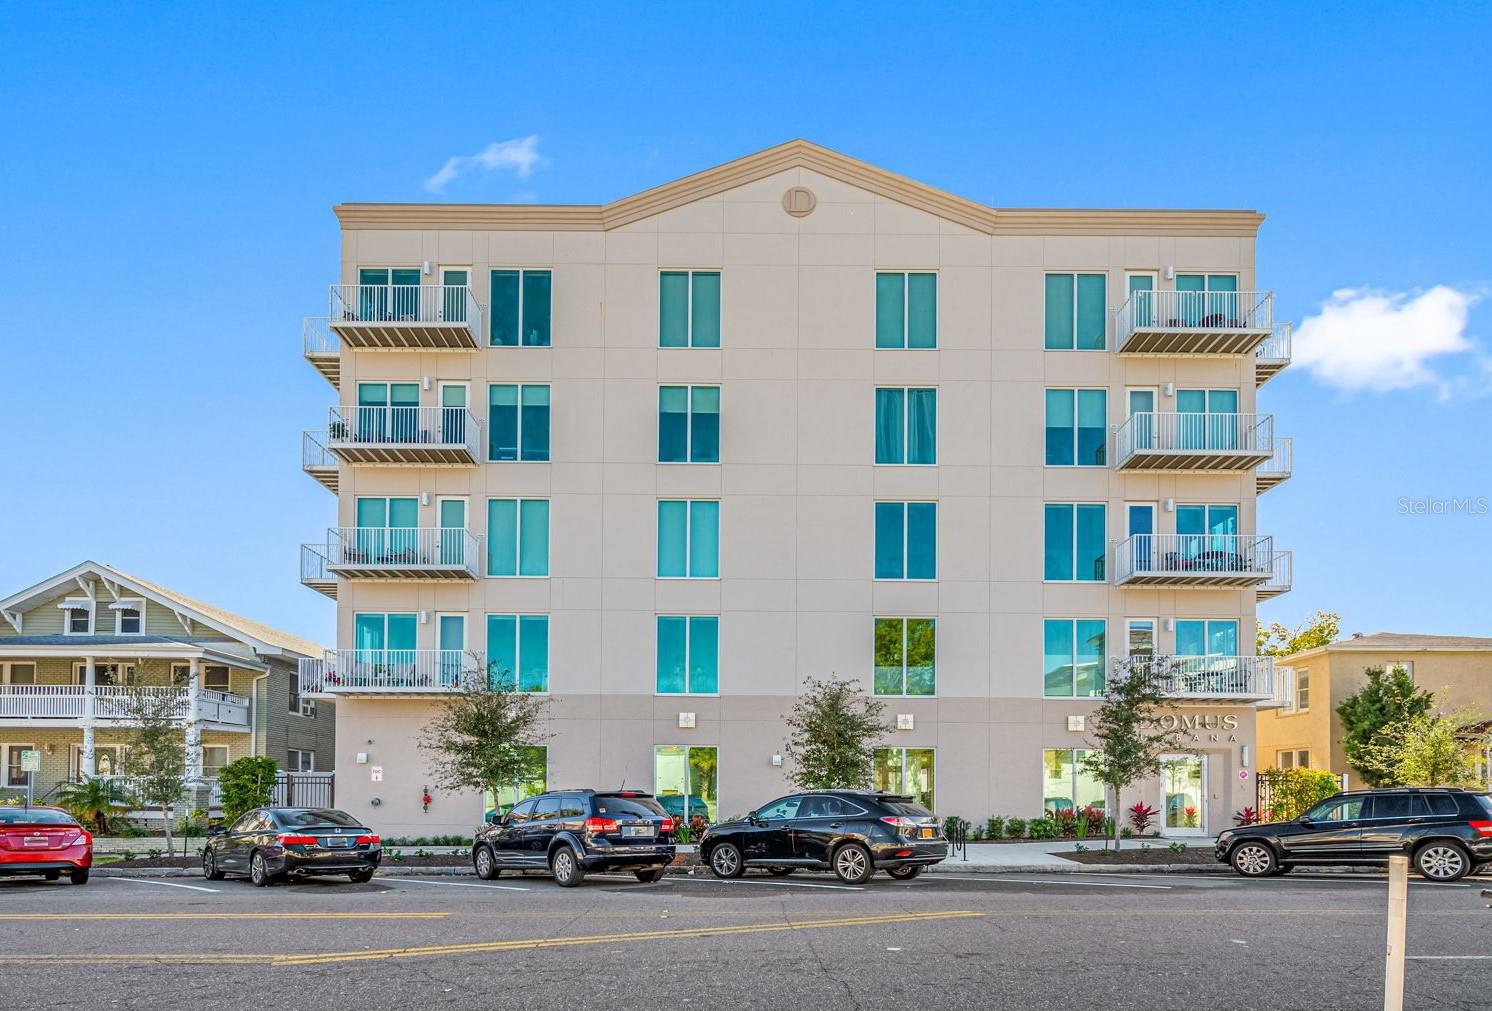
x=90, y=713
x=194, y=723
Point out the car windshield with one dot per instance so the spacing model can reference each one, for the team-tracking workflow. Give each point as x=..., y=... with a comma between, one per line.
x=35, y=816
x=316, y=816
x=907, y=808
x=628, y=807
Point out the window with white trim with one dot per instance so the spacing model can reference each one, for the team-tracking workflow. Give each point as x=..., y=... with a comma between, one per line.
x=129, y=617
x=300, y=761
x=1294, y=758
x=77, y=617
x=13, y=774
x=214, y=757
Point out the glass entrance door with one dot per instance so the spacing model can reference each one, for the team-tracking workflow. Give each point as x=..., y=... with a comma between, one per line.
x=451, y=633
x=453, y=293
x=1183, y=794
x=452, y=531
x=1140, y=517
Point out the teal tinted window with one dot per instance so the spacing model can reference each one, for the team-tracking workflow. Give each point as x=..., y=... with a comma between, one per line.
x=704, y=309
x=891, y=426
x=1073, y=653
x=1059, y=312
x=1061, y=437
x=905, y=656
x=517, y=537
x=704, y=540
x=688, y=655
x=1076, y=428
x=689, y=309
x=518, y=651
x=1195, y=637
x=688, y=539
x=906, y=540
x=906, y=426
x=502, y=313
x=536, y=308
x=1076, y=312
x=518, y=422
x=1092, y=544
x=1074, y=542
x=1092, y=323
x=1058, y=548
x=906, y=310
x=689, y=424
x=520, y=310
x=673, y=424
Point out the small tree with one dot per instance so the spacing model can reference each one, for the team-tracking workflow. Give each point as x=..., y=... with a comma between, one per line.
x=155, y=755
x=94, y=802
x=1277, y=640
x=1428, y=750
x=247, y=783
x=1293, y=792
x=1388, y=699
x=484, y=732
x=833, y=732
x=1126, y=736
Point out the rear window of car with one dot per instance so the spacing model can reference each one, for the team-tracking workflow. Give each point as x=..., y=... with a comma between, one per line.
x=1442, y=804
x=1485, y=800
x=303, y=818
x=907, y=808
x=634, y=807
x=35, y=816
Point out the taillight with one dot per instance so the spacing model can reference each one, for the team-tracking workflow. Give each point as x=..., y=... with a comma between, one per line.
x=903, y=853
x=368, y=840
x=1483, y=828
x=600, y=826
x=297, y=840
x=82, y=839
x=666, y=825
x=902, y=825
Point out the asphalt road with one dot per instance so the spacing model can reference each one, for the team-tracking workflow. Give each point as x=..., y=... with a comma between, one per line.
x=945, y=941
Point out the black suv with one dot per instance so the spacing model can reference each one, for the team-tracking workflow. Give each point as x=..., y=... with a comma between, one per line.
x=1444, y=832
x=852, y=832
x=570, y=832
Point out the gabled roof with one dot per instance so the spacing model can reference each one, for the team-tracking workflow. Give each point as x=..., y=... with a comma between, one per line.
x=260, y=636
x=1408, y=640
x=807, y=155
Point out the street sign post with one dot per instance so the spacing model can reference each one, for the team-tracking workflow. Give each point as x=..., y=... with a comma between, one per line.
x=30, y=765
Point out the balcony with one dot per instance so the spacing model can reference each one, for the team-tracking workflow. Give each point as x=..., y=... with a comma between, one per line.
x=406, y=436
x=388, y=671
x=416, y=317
x=1275, y=470
x=1194, y=442
x=1193, y=322
x=1194, y=560
x=1224, y=679
x=315, y=570
x=321, y=348
x=1273, y=355
x=67, y=705
x=317, y=460
x=1282, y=571
x=399, y=553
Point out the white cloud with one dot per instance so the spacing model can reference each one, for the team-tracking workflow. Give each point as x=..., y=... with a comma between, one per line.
x=1363, y=339
x=521, y=154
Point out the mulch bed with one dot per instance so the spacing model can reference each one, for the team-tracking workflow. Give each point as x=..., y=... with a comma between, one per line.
x=1132, y=854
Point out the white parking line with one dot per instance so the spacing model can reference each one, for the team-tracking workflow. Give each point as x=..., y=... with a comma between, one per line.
x=1003, y=879
x=166, y=884
x=1449, y=958
x=461, y=884
x=1355, y=880
x=779, y=884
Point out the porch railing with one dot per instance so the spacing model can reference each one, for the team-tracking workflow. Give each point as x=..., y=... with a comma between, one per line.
x=1201, y=433
x=112, y=702
x=1280, y=462
x=406, y=425
x=1195, y=310
x=1193, y=555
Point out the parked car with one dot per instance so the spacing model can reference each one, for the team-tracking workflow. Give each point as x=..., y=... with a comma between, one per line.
x=572, y=832
x=854, y=833
x=273, y=842
x=1445, y=833
x=46, y=841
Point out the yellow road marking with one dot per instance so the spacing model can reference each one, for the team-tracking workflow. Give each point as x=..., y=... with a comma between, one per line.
x=223, y=916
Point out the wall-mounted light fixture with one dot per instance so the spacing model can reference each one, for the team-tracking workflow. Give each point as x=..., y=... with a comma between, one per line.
x=777, y=760
x=424, y=382
x=1170, y=272
x=424, y=617
x=1170, y=624
x=1170, y=505
x=1170, y=389
x=425, y=269
x=424, y=498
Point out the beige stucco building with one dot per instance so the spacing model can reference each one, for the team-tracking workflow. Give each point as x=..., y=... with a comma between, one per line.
x=794, y=416
x=1307, y=732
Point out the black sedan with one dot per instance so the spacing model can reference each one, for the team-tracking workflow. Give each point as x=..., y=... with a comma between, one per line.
x=274, y=842
x=1445, y=833
x=854, y=833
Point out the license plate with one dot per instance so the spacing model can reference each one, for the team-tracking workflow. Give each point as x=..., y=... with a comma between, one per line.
x=926, y=833
x=339, y=840
x=37, y=842
x=637, y=830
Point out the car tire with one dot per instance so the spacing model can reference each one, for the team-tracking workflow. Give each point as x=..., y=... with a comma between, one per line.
x=852, y=864
x=780, y=872
x=565, y=865
x=1253, y=859
x=906, y=873
x=52, y=875
x=650, y=875
x=78, y=877
x=485, y=863
x=210, y=866
x=361, y=877
x=259, y=870
x=1442, y=861
x=726, y=861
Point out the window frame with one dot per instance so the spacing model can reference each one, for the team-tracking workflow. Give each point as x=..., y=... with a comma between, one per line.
x=688, y=691
x=1073, y=784
x=518, y=572
x=7, y=672
x=1074, y=428
x=903, y=749
x=906, y=423
x=905, y=273
x=689, y=275
x=689, y=389
x=213, y=747
x=905, y=624
x=1076, y=273
x=688, y=750
x=305, y=754
x=518, y=407
x=517, y=673
x=1103, y=653
x=71, y=604
x=689, y=504
x=5, y=766
x=1103, y=558
x=522, y=303
x=1301, y=673
x=136, y=604
x=906, y=540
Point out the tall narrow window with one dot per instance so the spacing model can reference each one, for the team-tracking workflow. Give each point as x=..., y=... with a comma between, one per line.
x=686, y=781
x=688, y=654
x=518, y=651
x=688, y=539
x=906, y=310
x=1065, y=783
x=907, y=771
x=906, y=540
x=1076, y=312
x=689, y=424
x=517, y=537
x=1077, y=428
x=1073, y=656
x=520, y=311
x=689, y=309
x=905, y=656
x=518, y=422
x=1075, y=545
x=907, y=425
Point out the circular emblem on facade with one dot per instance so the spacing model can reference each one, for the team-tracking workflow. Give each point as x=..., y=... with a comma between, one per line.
x=799, y=201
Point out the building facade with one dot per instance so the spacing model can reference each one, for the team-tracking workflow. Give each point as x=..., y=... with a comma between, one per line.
x=76, y=648
x=666, y=458
x=1307, y=733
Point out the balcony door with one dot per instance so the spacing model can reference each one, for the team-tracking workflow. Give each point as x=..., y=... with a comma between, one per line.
x=454, y=281
x=1208, y=419
x=383, y=647
x=387, y=412
x=1141, y=400
x=1207, y=536
x=386, y=533
x=1139, y=518
x=450, y=630
x=388, y=294
x=453, y=404
x=1211, y=651
x=452, y=513
x=1140, y=288
x=1208, y=300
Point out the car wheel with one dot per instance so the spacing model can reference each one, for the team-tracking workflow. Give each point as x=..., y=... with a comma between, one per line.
x=650, y=875
x=361, y=877
x=852, y=864
x=905, y=873
x=566, y=868
x=726, y=862
x=79, y=877
x=780, y=872
x=1442, y=861
x=52, y=875
x=484, y=863
x=1253, y=859
x=210, y=866
x=258, y=870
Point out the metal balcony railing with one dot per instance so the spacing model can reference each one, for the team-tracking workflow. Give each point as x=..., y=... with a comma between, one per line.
x=1218, y=678
x=1194, y=559
x=419, y=552
x=1281, y=576
x=406, y=315
x=405, y=434
x=1193, y=322
x=1176, y=441
x=1277, y=468
x=314, y=453
x=316, y=338
x=389, y=670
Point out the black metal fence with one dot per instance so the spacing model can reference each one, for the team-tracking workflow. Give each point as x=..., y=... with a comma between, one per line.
x=1272, y=805
x=304, y=789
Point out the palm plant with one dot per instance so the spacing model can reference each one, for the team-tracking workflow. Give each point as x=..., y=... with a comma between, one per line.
x=94, y=802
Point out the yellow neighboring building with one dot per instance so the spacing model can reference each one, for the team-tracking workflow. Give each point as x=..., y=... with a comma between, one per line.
x=1306, y=732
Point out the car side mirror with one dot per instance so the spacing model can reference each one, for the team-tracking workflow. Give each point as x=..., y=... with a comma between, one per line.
x=1306, y=820
x=216, y=830
x=755, y=819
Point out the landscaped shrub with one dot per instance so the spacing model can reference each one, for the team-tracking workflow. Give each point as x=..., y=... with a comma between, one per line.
x=994, y=828
x=953, y=826
x=1015, y=828
x=246, y=784
x=1248, y=816
x=1140, y=816
x=1043, y=828
x=1094, y=820
x=1067, y=821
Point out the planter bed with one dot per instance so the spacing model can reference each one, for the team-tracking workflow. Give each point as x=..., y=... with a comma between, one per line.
x=1132, y=854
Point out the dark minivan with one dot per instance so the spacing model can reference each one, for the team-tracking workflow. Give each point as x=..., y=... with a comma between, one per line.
x=854, y=833
x=571, y=832
x=1444, y=832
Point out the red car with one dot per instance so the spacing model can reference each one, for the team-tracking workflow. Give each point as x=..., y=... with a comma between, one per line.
x=45, y=841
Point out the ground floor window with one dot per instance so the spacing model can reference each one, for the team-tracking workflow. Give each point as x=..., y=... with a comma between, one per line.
x=1065, y=784
x=686, y=781
x=907, y=771
x=105, y=673
x=18, y=673
x=108, y=760
x=13, y=774
x=1297, y=758
x=298, y=761
x=215, y=756
x=533, y=780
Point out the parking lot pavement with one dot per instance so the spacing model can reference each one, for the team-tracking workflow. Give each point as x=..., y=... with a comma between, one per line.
x=987, y=941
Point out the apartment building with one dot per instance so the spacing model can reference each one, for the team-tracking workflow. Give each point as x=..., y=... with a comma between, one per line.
x=75, y=647
x=668, y=457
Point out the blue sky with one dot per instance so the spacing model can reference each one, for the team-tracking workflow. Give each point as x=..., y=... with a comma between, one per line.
x=166, y=178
